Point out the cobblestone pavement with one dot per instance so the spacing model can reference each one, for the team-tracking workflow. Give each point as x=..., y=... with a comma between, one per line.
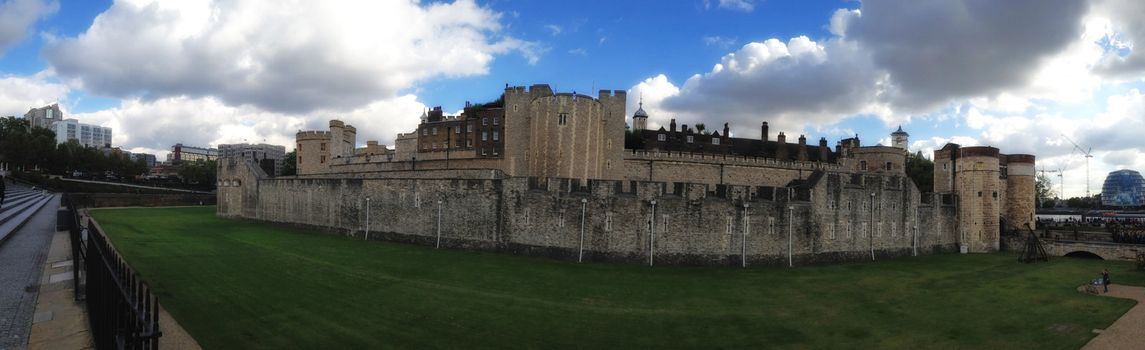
x=21, y=259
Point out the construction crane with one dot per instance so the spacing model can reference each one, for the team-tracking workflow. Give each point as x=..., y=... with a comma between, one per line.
x=1087, y=152
x=1061, y=181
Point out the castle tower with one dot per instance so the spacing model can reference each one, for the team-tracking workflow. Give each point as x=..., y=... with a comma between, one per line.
x=763, y=131
x=900, y=139
x=979, y=206
x=1020, y=198
x=640, y=118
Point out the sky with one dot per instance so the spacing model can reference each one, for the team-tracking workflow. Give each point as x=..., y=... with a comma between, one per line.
x=1025, y=76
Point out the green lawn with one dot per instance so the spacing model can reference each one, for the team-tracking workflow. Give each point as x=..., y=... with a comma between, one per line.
x=238, y=285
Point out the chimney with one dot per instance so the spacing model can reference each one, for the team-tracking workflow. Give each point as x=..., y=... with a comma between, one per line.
x=684, y=128
x=802, y=151
x=726, y=130
x=763, y=131
x=781, y=147
x=824, y=152
x=672, y=126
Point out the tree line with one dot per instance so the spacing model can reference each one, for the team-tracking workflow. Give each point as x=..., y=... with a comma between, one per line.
x=34, y=150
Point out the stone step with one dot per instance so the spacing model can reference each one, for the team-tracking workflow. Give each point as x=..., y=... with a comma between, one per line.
x=13, y=223
x=17, y=201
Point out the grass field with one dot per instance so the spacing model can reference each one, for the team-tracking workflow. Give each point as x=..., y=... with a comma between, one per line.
x=238, y=285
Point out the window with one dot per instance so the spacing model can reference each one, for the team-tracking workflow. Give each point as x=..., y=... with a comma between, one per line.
x=715, y=140
x=484, y=136
x=299, y=159
x=691, y=138
x=468, y=143
x=322, y=160
x=299, y=147
x=496, y=135
x=457, y=130
x=562, y=118
x=862, y=165
x=888, y=165
x=484, y=121
x=435, y=131
x=469, y=128
x=661, y=137
x=484, y=151
x=435, y=146
x=322, y=147
x=494, y=151
x=496, y=120
x=424, y=132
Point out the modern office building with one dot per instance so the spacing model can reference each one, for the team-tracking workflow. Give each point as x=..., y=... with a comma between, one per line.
x=256, y=152
x=1123, y=188
x=181, y=153
x=44, y=117
x=87, y=134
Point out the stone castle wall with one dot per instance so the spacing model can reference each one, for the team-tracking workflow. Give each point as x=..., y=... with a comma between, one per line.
x=832, y=218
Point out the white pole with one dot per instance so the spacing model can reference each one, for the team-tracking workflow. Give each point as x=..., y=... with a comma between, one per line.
x=743, y=238
x=367, y=218
x=790, y=228
x=583, y=205
x=652, y=235
x=438, y=224
x=871, y=229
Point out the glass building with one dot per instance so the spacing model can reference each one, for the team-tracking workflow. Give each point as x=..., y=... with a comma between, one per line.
x=1123, y=188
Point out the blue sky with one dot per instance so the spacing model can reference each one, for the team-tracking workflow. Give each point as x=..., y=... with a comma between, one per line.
x=1024, y=76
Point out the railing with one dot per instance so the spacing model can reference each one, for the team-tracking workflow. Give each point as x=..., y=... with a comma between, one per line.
x=122, y=311
x=76, y=234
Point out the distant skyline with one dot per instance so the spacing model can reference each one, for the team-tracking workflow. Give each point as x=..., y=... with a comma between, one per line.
x=1017, y=75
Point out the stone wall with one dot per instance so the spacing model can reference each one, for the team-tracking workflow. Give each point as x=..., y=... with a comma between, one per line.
x=829, y=217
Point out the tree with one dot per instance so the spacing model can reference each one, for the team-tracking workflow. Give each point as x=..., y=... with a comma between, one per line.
x=1043, y=190
x=701, y=129
x=920, y=170
x=290, y=164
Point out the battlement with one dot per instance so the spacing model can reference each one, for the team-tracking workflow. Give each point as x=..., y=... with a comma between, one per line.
x=979, y=151
x=337, y=123
x=1020, y=158
x=730, y=160
x=312, y=135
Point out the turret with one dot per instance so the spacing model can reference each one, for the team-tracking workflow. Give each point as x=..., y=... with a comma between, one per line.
x=763, y=131
x=672, y=126
x=801, y=152
x=727, y=131
x=824, y=151
x=900, y=138
x=781, y=147
x=640, y=118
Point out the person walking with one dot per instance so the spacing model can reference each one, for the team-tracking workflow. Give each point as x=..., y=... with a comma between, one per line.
x=3, y=189
x=1105, y=279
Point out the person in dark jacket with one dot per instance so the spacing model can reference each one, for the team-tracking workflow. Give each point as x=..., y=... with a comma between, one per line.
x=1105, y=279
x=3, y=189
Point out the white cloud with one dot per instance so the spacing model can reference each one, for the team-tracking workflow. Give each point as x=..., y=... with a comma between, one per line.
x=308, y=56
x=738, y=5
x=554, y=29
x=652, y=92
x=790, y=85
x=158, y=124
x=1126, y=31
x=18, y=16
x=19, y=94
x=719, y=41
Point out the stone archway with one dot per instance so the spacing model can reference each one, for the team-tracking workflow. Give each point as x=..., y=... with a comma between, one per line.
x=1082, y=254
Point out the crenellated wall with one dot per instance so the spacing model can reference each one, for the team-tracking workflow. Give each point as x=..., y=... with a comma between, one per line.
x=826, y=217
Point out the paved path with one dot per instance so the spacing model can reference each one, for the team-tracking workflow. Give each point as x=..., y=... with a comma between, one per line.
x=60, y=321
x=21, y=260
x=1128, y=332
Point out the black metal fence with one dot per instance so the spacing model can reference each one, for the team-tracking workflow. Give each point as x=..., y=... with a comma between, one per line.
x=121, y=309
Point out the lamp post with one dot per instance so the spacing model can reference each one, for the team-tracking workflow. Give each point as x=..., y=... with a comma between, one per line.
x=743, y=238
x=438, y=245
x=790, y=228
x=652, y=234
x=367, y=218
x=871, y=228
x=583, y=206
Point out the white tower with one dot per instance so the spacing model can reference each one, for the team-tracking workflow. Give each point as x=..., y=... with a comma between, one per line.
x=640, y=118
x=900, y=138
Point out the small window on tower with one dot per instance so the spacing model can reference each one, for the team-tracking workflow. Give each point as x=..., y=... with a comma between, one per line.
x=888, y=166
x=863, y=165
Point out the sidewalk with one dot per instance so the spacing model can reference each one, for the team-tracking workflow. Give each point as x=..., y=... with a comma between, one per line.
x=60, y=322
x=1127, y=332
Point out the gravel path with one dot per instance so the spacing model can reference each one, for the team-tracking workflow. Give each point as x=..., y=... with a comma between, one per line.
x=1128, y=332
x=21, y=259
